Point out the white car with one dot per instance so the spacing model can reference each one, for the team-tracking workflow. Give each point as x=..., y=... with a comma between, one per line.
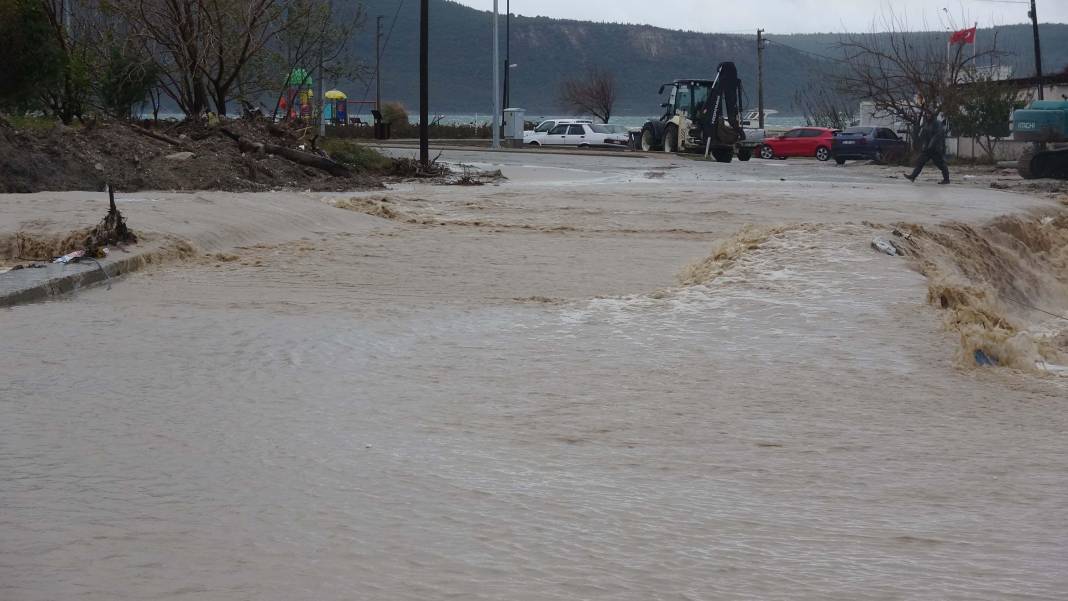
x=546, y=126
x=582, y=135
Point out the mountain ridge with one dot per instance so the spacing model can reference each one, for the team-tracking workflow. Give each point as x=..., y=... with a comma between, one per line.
x=547, y=50
x=641, y=56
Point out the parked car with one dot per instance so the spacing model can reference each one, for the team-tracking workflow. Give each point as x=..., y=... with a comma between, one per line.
x=616, y=129
x=799, y=142
x=546, y=126
x=867, y=143
x=610, y=135
x=581, y=135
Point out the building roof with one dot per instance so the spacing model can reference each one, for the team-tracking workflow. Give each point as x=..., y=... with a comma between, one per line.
x=1032, y=82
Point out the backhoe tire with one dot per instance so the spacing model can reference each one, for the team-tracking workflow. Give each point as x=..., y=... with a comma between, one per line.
x=648, y=140
x=671, y=139
x=744, y=154
x=723, y=155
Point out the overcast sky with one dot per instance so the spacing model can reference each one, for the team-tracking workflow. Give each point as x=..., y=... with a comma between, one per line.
x=785, y=16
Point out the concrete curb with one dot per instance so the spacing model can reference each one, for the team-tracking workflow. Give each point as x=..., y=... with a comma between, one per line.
x=33, y=285
x=628, y=154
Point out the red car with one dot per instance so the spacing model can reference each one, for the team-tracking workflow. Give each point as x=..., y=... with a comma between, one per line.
x=799, y=142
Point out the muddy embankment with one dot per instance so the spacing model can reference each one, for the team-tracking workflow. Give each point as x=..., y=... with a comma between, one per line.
x=236, y=155
x=1002, y=286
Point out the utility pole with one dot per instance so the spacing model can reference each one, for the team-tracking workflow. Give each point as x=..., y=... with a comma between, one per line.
x=760, y=77
x=496, y=79
x=1038, y=50
x=424, y=83
x=378, y=65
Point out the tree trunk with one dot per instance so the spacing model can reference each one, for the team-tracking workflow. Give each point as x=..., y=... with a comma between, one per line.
x=220, y=101
x=297, y=156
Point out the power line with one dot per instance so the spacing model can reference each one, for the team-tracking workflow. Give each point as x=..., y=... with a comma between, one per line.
x=385, y=45
x=795, y=49
x=1034, y=308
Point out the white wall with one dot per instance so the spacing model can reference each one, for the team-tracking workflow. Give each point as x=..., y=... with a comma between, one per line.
x=969, y=148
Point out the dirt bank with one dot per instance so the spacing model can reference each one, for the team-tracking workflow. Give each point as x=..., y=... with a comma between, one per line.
x=176, y=156
x=1002, y=285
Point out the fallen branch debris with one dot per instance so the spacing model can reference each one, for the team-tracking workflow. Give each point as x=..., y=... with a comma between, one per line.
x=156, y=136
x=297, y=156
x=111, y=230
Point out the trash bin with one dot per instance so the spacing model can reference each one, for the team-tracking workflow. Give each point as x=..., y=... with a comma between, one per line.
x=513, y=127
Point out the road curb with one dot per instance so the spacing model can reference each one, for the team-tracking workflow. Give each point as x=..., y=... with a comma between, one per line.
x=56, y=279
x=629, y=154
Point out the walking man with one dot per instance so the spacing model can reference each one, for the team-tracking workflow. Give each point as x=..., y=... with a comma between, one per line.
x=933, y=141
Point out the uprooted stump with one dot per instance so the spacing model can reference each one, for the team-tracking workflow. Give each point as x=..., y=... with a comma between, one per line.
x=111, y=230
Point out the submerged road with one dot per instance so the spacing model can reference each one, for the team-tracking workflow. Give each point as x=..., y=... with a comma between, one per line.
x=603, y=378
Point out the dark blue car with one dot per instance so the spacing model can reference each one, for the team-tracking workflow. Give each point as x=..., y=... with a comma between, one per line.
x=867, y=144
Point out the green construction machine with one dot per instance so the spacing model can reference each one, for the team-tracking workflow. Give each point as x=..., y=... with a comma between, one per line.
x=1044, y=122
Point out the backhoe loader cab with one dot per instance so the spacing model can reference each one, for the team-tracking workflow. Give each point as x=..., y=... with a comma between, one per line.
x=700, y=115
x=685, y=96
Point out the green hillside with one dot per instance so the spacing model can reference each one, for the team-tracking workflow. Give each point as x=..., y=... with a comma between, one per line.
x=641, y=56
x=546, y=50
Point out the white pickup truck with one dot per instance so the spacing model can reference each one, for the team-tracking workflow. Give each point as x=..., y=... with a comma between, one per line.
x=754, y=136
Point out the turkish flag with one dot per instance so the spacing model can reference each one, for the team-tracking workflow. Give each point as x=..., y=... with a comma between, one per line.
x=964, y=36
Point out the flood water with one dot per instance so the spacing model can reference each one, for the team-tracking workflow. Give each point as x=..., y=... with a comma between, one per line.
x=288, y=427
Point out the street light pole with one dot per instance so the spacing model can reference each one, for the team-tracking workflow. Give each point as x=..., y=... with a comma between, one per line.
x=1038, y=50
x=507, y=57
x=496, y=126
x=424, y=83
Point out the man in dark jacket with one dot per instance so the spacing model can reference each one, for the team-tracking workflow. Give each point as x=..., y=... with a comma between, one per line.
x=933, y=140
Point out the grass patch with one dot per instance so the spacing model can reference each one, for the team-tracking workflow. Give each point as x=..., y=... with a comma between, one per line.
x=31, y=123
x=355, y=155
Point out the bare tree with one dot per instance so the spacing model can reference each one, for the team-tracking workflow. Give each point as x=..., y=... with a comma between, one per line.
x=906, y=75
x=824, y=108
x=595, y=93
x=210, y=51
x=70, y=99
x=175, y=33
x=312, y=36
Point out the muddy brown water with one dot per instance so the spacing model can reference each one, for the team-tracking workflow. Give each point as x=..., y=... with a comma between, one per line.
x=358, y=407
